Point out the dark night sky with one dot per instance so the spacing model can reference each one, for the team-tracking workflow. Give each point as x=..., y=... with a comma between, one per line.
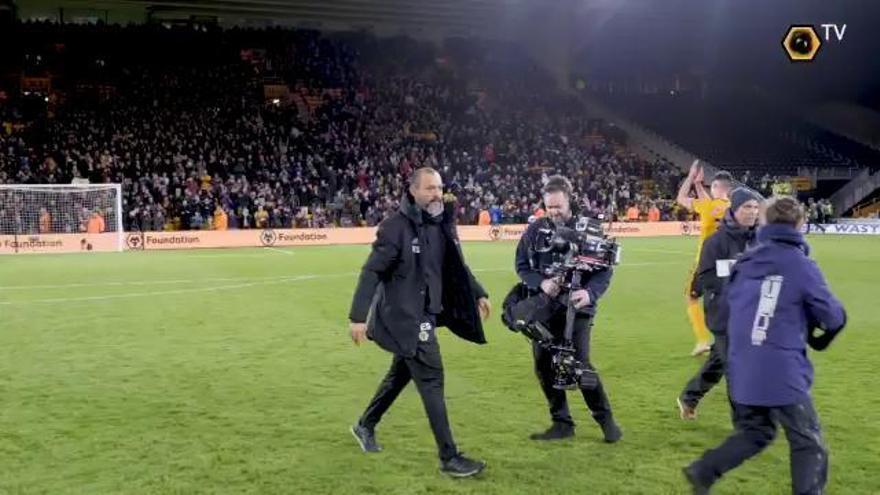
x=740, y=42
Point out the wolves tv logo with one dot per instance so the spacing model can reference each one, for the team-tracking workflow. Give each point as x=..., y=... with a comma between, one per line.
x=802, y=42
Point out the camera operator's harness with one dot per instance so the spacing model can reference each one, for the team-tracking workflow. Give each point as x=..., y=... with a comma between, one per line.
x=580, y=250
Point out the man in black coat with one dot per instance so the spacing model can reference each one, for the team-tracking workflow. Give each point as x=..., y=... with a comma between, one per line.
x=735, y=234
x=415, y=280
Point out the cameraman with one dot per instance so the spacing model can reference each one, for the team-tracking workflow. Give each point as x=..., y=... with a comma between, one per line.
x=530, y=265
x=779, y=298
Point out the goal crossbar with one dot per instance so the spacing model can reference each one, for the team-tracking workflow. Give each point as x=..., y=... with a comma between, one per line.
x=61, y=218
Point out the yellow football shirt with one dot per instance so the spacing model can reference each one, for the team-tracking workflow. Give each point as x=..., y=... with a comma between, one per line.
x=710, y=211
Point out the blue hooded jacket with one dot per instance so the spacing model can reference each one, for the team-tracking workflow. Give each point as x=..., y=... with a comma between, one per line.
x=776, y=296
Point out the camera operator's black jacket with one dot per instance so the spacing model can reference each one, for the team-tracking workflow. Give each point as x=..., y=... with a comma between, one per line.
x=530, y=264
x=727, y=243
x=390, y=295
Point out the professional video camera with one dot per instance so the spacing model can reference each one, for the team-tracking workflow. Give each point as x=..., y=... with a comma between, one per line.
x=575, y=251
x=584, y=248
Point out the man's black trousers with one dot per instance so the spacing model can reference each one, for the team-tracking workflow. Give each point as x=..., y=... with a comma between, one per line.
x=426, y=370
x=710, y=373
x=595, y=398
x=756, y=429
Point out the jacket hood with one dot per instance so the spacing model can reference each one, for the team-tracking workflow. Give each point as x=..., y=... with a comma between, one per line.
x=729, y=224
x=784, y=234
x=764, y=259
x=410, y=209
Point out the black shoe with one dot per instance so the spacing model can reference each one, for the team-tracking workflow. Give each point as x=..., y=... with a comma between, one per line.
x=366, y=438
x=462, y=467
x=697, y=486
x=557, y=431
x=612, y=432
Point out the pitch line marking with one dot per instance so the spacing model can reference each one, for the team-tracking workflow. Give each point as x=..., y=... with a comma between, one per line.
x=246, y=282
x=288, y=253
x=157, y=293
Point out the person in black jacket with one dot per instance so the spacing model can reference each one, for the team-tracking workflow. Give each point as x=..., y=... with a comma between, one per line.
x=735, y=234
x=530, y=264
x=414, y=281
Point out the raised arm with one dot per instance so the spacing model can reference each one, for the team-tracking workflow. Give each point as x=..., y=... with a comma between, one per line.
x=683, y=197
x=698, y=185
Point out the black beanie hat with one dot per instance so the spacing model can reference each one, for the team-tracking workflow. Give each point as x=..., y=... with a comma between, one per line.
x=742, y=194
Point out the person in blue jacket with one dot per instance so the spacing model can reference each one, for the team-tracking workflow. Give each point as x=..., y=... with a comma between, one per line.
x=779, y=303
x=495, y=214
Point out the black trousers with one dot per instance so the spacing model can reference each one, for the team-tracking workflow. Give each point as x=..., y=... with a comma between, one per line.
x=596, y=399
x=709, y=375
x=756, y=429
x=815, y=223
x=426, y=370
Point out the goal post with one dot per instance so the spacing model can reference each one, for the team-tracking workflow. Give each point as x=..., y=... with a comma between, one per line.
x=58, y=218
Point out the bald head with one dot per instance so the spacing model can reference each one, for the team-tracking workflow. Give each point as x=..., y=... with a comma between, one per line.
x=420, y=173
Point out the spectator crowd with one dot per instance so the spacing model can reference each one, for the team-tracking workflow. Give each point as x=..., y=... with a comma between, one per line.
x=188, y=130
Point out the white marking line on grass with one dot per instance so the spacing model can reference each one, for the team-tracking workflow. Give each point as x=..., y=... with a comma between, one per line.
x=280, y=251
x=158, y=293
x=247, y=282
x=140, y=282
x=661, y=251
x=229, y=279
x=224, y=256
x=244, y=282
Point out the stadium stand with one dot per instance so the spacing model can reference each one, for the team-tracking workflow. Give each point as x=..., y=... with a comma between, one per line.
x=280, y=128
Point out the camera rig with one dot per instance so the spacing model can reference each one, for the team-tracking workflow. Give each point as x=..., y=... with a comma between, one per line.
x=574, y=252
x=582, y=249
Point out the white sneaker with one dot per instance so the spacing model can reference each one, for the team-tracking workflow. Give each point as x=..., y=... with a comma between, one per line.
x=701, y=348
x=685, y=412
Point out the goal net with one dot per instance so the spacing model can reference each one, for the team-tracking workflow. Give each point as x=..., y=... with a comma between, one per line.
x=45, y=218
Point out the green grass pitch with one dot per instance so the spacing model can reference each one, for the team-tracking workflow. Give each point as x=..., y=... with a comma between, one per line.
x=231, y=371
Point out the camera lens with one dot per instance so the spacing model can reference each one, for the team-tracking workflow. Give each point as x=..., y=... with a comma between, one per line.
x=801, y=43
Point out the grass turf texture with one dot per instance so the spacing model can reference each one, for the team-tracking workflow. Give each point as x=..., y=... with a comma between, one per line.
x=231, y=371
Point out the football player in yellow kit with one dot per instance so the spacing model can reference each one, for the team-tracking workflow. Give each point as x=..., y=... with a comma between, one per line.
x=710, y=208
